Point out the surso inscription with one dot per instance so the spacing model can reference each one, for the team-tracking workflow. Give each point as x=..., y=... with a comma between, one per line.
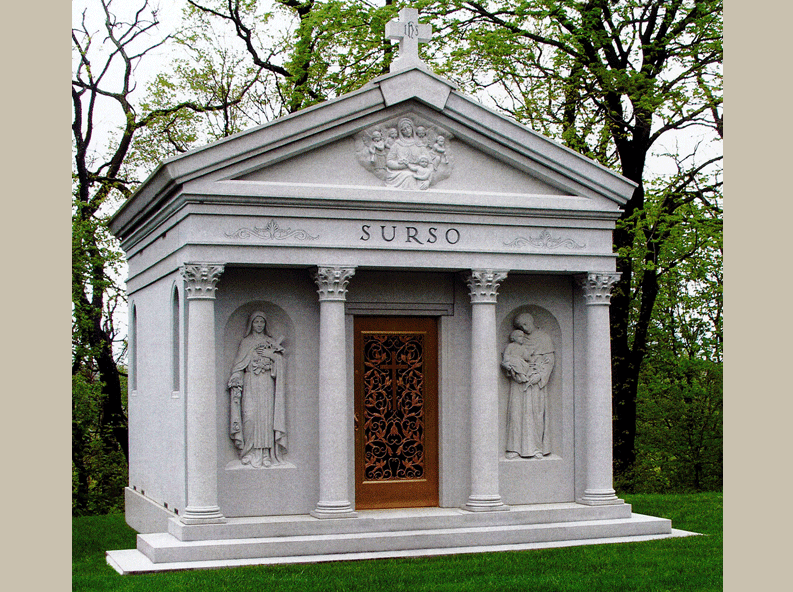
x=409, y=234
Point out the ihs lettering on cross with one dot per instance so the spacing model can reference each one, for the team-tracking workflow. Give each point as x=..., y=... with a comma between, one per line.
x=409, y=33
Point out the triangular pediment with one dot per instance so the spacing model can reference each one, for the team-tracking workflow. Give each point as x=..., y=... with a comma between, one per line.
x=345, y=149
x=434, y=159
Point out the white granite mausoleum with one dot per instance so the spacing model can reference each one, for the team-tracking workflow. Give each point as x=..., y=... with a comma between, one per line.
x=379, y=325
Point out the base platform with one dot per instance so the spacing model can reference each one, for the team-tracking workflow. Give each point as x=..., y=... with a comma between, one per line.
x=377, y=534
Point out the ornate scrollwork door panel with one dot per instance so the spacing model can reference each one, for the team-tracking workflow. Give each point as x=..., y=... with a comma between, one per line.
x=396, y=426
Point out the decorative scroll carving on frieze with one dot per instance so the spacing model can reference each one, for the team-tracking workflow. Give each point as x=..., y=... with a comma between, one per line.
x=332, y=282
x=545, y=240
x=597, y=286
x=201, y=279
x=407, y=152
x=483, y=284
x=528, y=361
x=257, y=415
x=271, y=231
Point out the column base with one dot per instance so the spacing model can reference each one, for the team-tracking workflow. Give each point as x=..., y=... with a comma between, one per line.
x=341, y=509
x=202, y=515
x=485, y=503
x=600, y=497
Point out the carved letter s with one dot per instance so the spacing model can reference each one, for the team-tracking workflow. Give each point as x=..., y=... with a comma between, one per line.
x=365, y=230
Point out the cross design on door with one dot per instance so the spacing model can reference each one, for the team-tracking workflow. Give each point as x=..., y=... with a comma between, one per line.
x=393, y=405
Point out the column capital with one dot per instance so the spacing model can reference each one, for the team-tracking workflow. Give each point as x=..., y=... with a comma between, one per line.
x=332, y=281
x=201, y=279
x=597, y=286
x=483, y=284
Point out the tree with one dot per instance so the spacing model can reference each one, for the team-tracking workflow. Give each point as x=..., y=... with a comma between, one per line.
x=265, y=59
x=327, y=49
x=103, y=86
x=610, y=79
x=680, y=395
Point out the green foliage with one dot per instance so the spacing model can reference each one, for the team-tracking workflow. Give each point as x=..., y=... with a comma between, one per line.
x=679, y=437
x=691, y=563
x=680, y=392
x=104, y=172
x=99, y=469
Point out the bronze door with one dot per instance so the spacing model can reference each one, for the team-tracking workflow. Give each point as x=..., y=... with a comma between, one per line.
x=396, y=412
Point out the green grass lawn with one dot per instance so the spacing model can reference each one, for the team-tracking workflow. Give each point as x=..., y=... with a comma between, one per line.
x=690, y=563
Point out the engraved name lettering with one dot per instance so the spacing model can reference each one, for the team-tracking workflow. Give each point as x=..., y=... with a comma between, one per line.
x=393, y=233
x=410, y=234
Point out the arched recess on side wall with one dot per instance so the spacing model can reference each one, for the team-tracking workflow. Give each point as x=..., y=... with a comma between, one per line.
x=175, y=339
x=132, y=354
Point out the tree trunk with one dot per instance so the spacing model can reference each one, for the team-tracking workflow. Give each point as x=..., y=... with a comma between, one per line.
x=625, y=359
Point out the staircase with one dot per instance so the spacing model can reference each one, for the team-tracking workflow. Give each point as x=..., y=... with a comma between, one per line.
x=383, y=533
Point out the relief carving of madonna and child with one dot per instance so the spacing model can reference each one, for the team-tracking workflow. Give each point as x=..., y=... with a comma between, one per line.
x=404, y=154
x=528, y=361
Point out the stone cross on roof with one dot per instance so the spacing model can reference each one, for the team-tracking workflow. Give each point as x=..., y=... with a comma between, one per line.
x=409, y=33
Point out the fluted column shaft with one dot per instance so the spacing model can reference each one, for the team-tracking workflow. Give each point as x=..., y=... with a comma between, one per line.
x=202, y=486
x=333, y=408
x=485, y=496
x=599, y=488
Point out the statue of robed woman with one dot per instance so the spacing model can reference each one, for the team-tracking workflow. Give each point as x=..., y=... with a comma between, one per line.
x=256, y=386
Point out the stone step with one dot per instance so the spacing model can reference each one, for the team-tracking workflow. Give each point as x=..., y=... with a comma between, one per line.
x=164, y=548
x=395, y=519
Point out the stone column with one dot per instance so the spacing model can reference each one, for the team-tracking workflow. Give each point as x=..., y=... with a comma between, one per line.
x=485, y=452
x=597, y=293
x=202, y=484
x=334, y=422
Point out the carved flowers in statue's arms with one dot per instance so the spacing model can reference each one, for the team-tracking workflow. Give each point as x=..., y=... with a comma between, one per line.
x=266, y=350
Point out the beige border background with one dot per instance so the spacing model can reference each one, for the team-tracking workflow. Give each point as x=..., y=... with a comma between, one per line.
x=36, y=434
x=36, y=155
x=758, y=349
x=758, y=346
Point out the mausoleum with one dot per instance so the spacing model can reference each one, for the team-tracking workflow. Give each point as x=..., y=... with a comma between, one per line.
x=376, y=326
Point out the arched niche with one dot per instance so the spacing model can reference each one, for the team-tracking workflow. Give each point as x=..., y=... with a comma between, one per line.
x=543, y=320
x=279, y=326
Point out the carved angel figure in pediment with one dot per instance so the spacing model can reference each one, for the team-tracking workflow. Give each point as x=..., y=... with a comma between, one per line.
x=407, y=155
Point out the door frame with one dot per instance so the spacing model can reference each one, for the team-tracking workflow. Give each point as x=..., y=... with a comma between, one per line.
x=399, y=493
